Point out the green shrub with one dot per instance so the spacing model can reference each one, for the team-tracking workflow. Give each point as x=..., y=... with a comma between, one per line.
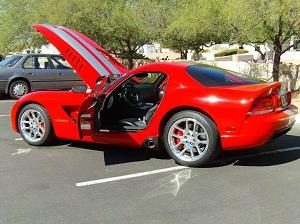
x=228, y=52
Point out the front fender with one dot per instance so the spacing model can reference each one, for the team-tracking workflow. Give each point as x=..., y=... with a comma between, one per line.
x=61, y=106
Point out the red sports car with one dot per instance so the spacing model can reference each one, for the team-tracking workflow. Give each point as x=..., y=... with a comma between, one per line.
x=194, y=111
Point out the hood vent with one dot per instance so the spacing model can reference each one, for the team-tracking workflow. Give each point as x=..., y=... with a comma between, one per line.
x=74, y=59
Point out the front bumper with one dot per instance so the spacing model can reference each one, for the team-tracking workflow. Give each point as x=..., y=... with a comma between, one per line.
x=258, y=130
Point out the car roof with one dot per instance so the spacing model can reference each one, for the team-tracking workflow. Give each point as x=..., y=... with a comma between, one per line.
x=176, y=65
x=157, y=66
x=35, y=54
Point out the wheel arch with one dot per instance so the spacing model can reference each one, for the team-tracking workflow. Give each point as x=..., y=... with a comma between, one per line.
x=175, y=110
x=15, y=79
x=48, y=133
x=20, y=109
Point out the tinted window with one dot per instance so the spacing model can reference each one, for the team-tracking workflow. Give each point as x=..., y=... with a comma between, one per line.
x=11, y=61
x=211, y=76
x=36, y=62
x=147, y=78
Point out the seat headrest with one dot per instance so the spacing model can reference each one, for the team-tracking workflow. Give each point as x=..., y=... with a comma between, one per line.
x=37, y=65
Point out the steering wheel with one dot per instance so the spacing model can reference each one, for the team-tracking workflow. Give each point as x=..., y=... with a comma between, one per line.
x=110, y=101
x=131, y=96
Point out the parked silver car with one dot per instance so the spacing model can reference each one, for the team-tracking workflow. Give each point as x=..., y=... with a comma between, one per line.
x=21, y=74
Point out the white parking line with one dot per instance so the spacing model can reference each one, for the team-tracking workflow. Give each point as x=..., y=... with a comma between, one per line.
x=5, y=115
x=21, y=151
x=19, y=139
x=129, y=176
x=7, y=101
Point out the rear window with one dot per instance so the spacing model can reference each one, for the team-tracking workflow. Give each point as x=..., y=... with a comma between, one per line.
x=11, y=61
x=211, y=76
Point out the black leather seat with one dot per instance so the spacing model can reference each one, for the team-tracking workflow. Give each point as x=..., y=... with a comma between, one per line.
x=135, y=123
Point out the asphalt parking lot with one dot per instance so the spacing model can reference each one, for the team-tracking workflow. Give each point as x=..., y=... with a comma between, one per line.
x=85, y=183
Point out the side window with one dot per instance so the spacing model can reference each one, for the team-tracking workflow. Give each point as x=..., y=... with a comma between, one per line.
x=211, y=76
x=36, y=62
x=148, y=78
x=59, y=62
x=29, y=63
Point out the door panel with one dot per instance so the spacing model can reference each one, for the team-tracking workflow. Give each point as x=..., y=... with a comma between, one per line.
x=38, y=70
x=70, y=78
x=86, y=117
x=86, y=114
x=68, y=75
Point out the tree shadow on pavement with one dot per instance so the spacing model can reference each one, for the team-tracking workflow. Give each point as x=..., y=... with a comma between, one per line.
x=282, y=150
x=272, y=159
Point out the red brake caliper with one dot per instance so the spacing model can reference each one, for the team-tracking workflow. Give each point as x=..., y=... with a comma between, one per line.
x=177, y=140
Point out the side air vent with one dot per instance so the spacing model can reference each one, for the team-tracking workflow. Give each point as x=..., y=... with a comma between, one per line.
x=74, y=60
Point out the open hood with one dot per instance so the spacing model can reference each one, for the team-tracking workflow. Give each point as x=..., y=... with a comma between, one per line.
x=87, y=58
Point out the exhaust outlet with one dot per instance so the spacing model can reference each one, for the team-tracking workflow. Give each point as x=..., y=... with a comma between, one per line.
x=150, y=143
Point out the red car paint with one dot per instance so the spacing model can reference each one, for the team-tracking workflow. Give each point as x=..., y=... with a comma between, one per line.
x=232, y=108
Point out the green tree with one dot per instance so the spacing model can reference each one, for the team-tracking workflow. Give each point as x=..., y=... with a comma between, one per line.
x=84, y=16
x=126, y=29
x=258, y=21
x=195, y=24
x=240, y=23
x=121, y=26
x=15, y=31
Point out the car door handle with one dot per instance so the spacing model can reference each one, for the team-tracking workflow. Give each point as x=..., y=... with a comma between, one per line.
x=60, y=73
x=29, y=73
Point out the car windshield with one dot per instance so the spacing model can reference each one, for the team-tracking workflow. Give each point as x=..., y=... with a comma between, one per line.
x=11, y=61
x=212, y=76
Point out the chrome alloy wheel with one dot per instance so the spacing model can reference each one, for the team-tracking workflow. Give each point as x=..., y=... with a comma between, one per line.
x=32, y=125
x=188, y=139
x=19, y=89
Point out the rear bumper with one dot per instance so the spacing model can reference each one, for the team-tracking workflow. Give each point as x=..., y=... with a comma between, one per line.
x=258, y=130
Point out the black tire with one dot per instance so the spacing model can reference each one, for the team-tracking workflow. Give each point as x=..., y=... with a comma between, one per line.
x=48, y=134
x=213, y=148
x=25, y=88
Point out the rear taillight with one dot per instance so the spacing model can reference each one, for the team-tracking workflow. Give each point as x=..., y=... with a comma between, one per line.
x=266, y=103
x=262, y=106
